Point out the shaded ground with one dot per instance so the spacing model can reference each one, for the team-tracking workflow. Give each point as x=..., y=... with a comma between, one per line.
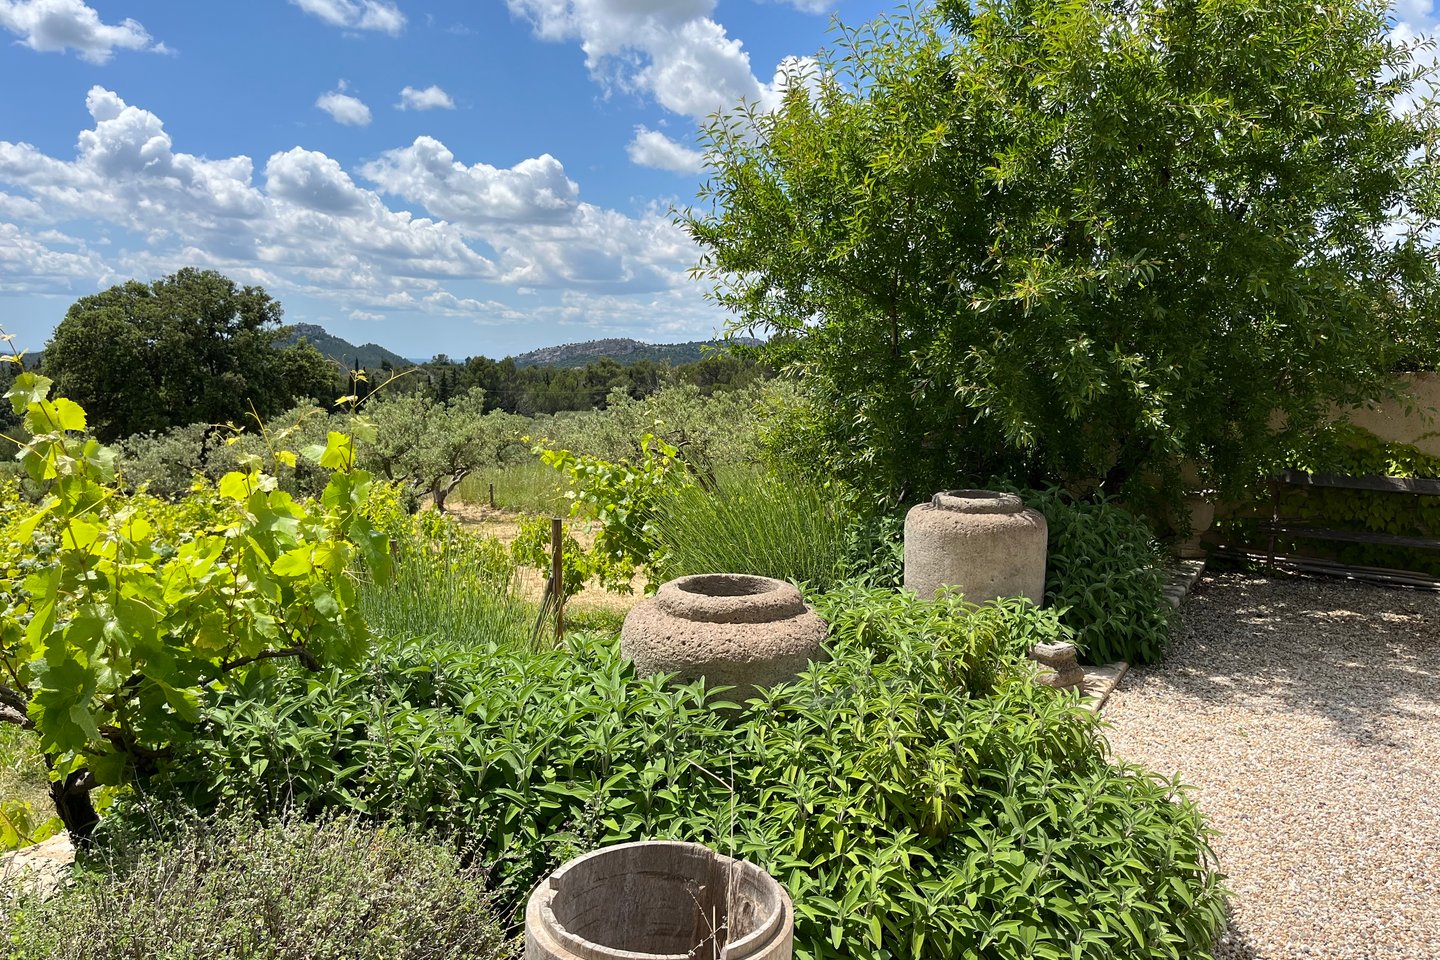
x=1307, y=715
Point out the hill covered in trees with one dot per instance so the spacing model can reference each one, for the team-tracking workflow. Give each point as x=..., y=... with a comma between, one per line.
x=625, y=352
x=370, y=356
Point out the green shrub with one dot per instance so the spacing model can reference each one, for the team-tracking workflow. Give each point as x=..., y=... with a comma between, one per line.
x=753, y=521
x=917, y=795
x=232, y=888
x=1105, y=571
x=875, y=549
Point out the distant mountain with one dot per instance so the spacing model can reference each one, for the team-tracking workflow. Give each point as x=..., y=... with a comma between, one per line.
x=623, y=351
x=372, y=356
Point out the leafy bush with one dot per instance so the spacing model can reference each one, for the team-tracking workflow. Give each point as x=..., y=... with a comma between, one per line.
x=289, y=891
x=120, y=610
x=623, y=497
x=1105, y=572
x=917, y=795
x=875, y=549
x=752, y=521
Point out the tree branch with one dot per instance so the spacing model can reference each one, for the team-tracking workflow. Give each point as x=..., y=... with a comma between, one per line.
x=308, y=659
x=14, y=707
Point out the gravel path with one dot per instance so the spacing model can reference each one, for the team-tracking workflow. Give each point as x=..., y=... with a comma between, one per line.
x=1307, y=715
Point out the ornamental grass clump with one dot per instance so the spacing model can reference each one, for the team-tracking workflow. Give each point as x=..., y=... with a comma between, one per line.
x=918, y=795
x=753, y=521
x=231, y=888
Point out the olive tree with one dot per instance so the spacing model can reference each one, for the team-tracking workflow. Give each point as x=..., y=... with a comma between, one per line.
x=1082, y=242
x=431, y=446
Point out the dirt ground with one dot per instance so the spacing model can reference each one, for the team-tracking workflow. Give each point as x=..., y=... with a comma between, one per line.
x=505, y=526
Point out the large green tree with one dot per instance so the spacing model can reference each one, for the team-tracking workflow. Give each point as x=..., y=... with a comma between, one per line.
x=1083, y=241
x=191, y=347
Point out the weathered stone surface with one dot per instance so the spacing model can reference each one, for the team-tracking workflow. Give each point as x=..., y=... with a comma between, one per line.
x=659, y=899
x=983, y=543
x=40, y=869
x=1100, y=682
x=1059, y=666
x=732, y=629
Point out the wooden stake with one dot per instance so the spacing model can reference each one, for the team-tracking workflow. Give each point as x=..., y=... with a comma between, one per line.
x=492, y=496
x=557, y=573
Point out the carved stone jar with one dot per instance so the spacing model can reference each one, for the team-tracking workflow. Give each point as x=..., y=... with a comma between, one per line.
x=659, y=899
x=983, y=543
x=733, y=629
x=1059, y=665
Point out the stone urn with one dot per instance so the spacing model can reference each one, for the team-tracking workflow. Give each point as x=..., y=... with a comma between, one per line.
x=659, y=899
x=1059, y=665
x=734, y=629
x=983, y=543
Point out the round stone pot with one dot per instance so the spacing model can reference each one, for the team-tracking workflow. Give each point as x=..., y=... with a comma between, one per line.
x=983, y=543
x=730, y=628
x=659, y=899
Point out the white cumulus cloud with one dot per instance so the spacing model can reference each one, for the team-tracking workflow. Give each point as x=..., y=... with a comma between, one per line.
x=426, y=172
x=356, y=14
x=431, y=98
x=671, y=50
x=306, y=225
x=651, y=148
x=52, y=26
x=343, y=108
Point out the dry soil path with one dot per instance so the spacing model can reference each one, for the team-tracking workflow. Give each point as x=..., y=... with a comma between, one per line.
x=1306, y=713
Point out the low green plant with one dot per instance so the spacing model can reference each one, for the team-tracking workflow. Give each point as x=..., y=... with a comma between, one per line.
x=917, y=794
x=219, y=890
x=875, y=549
x=752, y=521
x=533, y=546
x=1105, y=572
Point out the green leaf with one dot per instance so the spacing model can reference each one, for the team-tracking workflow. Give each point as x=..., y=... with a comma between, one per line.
x=28, y=388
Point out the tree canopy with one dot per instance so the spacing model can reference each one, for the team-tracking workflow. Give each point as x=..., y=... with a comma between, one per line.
x=191, y=347
x=1083, y=241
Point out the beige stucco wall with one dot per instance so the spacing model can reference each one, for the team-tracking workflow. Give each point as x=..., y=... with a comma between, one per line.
x=1419, y=425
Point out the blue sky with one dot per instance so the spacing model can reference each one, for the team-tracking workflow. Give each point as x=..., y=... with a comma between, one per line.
x=449, y=177
x=459, y=177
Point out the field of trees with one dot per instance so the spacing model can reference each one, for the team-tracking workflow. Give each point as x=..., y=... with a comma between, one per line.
x=1100, y=256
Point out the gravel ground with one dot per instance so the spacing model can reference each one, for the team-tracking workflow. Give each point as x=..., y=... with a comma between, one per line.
x=1306, y=713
